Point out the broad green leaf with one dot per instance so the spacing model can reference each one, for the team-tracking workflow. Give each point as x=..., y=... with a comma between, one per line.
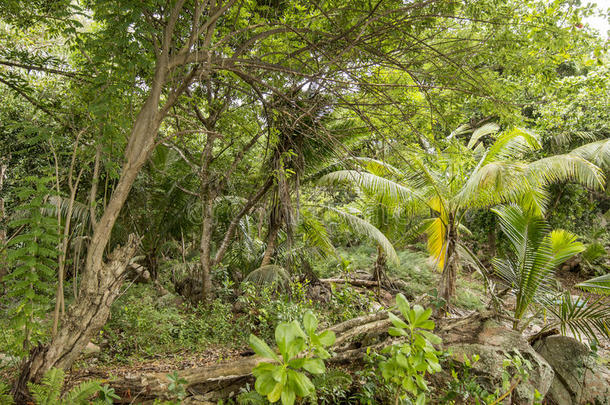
x=261, y=348
x=310, y=322
x=403, y=304
x=397, y=322
x=303, y=385
x=276, y=393
x=327, y=338
x=397, y=332
x=314, y=366
x=288, y=396
x=264, y=384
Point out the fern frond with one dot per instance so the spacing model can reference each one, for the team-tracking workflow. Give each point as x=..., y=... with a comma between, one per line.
x=80, y=394
x=49, y=390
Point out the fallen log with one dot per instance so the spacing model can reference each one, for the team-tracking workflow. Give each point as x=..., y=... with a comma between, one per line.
x=217, y=381
x=353, y=281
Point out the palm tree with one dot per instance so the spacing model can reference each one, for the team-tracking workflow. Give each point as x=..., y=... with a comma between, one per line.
x=445, y=183
x=528, y=268
x=535, y=252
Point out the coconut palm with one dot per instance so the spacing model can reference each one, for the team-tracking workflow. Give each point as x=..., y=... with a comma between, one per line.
x=445, y=183
x=528, y=268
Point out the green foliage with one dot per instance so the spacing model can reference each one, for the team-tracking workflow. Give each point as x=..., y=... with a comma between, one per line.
x=176, y=385
x=535, y=252
x=282, y=378
x=106, y=395
x=465, y=385
x=332, y=387
x=405, y=365
x=5, y=396
x=144, y=324
x=31, y=259
x=529, y=269
x=48, y=392
x=598, y=285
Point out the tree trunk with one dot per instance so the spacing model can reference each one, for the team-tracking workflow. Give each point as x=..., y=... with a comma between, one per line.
x=450, y=268
x=3, y=269
x=271, y=239
x=84, y=319
x=101, y=281
x=204, y=249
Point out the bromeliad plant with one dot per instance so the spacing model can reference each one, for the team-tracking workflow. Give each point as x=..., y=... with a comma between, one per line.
x=407, y=363
x=283, y=377
x=528, y=269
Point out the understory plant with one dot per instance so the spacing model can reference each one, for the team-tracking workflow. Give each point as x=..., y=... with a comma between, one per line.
x=48, y=392
x=466, y=387
x=283, y=378
x=406, y=363
x=31, y=258
x=528, y=269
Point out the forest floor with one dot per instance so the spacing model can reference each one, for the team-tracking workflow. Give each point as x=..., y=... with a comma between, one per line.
x=151, y=334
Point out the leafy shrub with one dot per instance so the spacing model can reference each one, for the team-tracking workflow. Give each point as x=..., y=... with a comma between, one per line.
x=141, y=325
x=282, y=378
x=347, y=303
x=466, y=387
x=405, y=365
x=332, y=387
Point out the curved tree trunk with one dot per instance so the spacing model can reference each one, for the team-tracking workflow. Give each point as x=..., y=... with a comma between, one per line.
x=85, y=318
x=101, y=280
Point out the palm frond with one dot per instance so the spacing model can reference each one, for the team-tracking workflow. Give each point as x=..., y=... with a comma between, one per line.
x=512, y=144
x=365, y=228
x=493, y=183
x=374, y=166
x=596, y=152
x=564, y=246
x=581, y=316
x=372, y=184
x=523, y=230
x=482, y=131
x=437, y=241
x=270, y=274
x=597, y=285
x=567, y=137
x=558, y=168
x=315, y=234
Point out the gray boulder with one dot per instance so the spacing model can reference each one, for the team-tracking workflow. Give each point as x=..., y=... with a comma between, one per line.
x=579, y=378
x=493, y=342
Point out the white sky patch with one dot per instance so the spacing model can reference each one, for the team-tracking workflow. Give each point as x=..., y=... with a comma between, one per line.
x=600, y=23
